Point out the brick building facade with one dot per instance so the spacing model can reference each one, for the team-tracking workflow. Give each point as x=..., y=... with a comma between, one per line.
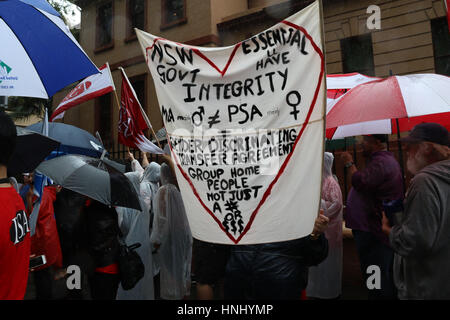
x=413, y=38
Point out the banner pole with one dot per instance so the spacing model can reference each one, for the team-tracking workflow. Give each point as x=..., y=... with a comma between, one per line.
x=322, y=37
x=156, y=138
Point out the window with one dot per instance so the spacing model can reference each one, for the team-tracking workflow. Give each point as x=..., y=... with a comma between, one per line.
x=139, y=85
x=136, y=17
x=357, y=55
x=104, y=30
x=441, y=45
x=103, y=119
x=173, y=13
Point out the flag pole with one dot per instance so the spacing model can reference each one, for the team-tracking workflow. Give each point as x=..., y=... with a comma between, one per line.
x=115, y=91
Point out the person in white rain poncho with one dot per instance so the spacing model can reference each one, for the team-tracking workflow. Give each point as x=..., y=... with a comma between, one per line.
x=325, y=280
x=150, y=184
x=149, y=187
x=171, y=235
x=134, y=226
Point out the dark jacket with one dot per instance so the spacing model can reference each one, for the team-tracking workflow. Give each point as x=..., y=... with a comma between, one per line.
x=422, y=238
x=102, y=231
x=276, y=270
x=88, y=234
x=381, y=180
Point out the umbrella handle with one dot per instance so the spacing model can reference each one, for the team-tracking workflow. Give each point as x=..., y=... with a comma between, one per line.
x=103, y=154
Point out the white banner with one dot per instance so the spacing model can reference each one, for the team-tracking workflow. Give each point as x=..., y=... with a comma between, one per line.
x=246, y=129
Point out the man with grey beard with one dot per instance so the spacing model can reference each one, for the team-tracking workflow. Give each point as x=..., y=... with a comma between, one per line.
x=421, y=239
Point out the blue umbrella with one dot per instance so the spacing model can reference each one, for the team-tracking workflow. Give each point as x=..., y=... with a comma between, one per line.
x=73, y=139
x=39, y=55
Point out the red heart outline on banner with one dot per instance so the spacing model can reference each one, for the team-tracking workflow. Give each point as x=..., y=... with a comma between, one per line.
x=286, y=161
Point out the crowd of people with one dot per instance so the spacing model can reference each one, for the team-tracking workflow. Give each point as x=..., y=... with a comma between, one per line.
x=405, y=235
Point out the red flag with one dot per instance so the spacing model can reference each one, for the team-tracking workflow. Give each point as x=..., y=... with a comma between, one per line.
x=132, y=120
x=90, y=88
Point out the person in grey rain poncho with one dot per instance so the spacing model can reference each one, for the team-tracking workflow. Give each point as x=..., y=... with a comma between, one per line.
x=325, y=280
x=171, y=236
x=134, y=226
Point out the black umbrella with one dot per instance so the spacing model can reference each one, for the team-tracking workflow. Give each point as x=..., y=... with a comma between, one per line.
x=31, y=149
x=73, y=139
x=93, y=178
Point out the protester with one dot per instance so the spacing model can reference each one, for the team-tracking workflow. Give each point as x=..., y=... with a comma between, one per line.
x=103, y=244
x=73, y=235
x=46, y=242
x=277, y=270
x=325, y=280
x=421, y=237
x=150, y=184
x=209, y=263
x=134, y=229
x=149, y=187
x=381, y=180
x=14, y=228
x=27, y=192
x=171, y=237
x=135, y=165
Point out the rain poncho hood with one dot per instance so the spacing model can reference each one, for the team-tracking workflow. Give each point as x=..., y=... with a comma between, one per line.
x=171, y=230
x=152, y=173
x=328, y=159
x=134, y=227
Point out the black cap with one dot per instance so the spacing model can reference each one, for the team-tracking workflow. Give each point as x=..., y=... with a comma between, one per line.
x=430, y=132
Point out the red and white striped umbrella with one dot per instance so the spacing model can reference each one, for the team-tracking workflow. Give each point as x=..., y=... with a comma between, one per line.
x=372, y=107
x=337, y=86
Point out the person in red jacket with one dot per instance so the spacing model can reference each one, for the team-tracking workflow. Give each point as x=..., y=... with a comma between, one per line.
x=46, y=242
x=14, y=226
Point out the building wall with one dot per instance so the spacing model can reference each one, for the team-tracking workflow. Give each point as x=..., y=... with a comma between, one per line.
x=403, y=44
x=221, y=9
x=197, y=29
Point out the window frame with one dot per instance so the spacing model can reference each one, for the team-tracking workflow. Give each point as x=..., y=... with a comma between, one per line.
x=371, y=68
x=436, y=57
x=166, y=25
x=130, y=35
x=102, y=47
